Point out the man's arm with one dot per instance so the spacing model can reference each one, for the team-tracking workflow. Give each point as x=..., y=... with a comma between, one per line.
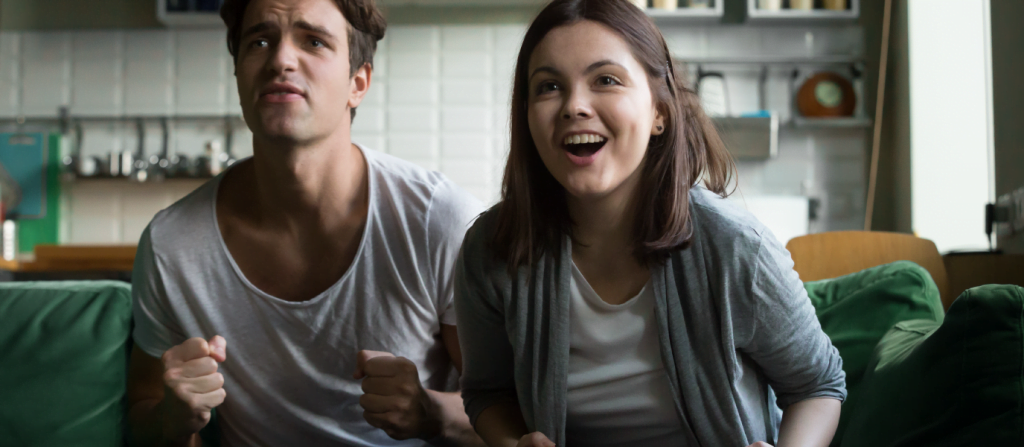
x=170, y=399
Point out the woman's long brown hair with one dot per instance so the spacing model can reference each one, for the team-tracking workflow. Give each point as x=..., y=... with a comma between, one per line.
x=533, y=216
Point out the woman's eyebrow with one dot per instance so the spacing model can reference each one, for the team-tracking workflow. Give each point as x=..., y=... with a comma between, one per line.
x=592, y=67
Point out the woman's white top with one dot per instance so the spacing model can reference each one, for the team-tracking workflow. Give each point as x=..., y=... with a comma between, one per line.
x=618, y=392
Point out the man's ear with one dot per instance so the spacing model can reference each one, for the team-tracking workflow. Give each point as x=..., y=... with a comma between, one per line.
x=359, y=85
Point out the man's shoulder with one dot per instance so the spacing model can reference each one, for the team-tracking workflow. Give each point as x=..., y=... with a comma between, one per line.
x=189, y=218
x=408, y=186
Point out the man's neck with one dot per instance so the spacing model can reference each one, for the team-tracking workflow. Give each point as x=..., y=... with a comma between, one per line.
x=315, y=188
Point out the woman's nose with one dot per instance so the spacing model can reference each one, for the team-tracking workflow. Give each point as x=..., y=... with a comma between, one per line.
x=577, y=106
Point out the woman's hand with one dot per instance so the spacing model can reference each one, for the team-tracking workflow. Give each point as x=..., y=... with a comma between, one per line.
x=760, y=444
x=535, y=439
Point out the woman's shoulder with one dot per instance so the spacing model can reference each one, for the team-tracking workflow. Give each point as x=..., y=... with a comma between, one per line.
x=718, y=220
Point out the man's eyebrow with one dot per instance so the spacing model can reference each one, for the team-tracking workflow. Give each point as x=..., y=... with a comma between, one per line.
x=257, y=28
x=302, y=24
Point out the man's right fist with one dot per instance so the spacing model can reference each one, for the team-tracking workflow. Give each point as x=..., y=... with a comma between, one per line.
x=192, y=385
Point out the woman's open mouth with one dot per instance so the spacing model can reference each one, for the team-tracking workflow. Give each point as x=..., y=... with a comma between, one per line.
x=581, y=149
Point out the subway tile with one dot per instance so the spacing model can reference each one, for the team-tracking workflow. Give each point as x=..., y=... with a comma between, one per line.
x=423, y=65
x=466, y=38
x=466, y=64
x=465, y=119
x=466, y=92
x=46, y=72
x=508, y=39
x=241, y=142
x=98, y=66
x=201, y=70
x=368, y=119
x=191, y=139
x=733, y=41
x=465, y=147
x=100, y=139
x=848, y=40
x=485, y=194
x=412, y=146
x=419, y=92
x=95, y=210
x=376, y=95
x=380, y=59
x=370, y=140
x=785, y=177
x=500, y=118
x=10, y=74
x=413, y=38
x=149, y=73
x=412, y=119
x=140, y=203
x=467, y=173
x=786, y=42
x=684, y=43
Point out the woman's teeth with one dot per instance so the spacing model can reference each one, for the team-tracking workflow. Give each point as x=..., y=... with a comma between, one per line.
x=583, y=139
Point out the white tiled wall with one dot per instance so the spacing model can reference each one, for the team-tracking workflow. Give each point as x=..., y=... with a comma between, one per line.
x=439, y=97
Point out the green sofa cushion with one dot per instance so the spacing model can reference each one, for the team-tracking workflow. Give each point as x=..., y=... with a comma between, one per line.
x=63, y=362
x=857, y=310
x=955, y=384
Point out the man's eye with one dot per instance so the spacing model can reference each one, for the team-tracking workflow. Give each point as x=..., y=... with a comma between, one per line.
x=259, y=43
x=608, y=80
x=317, y=43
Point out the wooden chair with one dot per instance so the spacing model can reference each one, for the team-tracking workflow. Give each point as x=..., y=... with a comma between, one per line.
x=837, y=253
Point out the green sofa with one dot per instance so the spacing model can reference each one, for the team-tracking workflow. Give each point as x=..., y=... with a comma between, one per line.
x=916, y=376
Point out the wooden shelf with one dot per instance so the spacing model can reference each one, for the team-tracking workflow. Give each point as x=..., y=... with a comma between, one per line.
x=802, y=16
x=686, y=15
x=842, y=122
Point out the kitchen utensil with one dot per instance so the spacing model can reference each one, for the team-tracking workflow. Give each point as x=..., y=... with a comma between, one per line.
x=835, y=5
x=712, y=91
x=10, y=240
x=801, y=4
x=668, y=5
x=826, y=94
x=769, y=5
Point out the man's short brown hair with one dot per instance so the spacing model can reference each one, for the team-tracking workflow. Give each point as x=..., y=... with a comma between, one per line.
x=366, y=27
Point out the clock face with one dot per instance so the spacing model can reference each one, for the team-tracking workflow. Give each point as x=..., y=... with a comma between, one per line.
x=828, y=93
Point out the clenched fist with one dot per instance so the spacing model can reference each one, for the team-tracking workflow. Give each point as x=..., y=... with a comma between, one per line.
x=394, y=399
x=192, y=385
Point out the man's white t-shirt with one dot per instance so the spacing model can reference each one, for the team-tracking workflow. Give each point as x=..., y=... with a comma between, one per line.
x=288, y=373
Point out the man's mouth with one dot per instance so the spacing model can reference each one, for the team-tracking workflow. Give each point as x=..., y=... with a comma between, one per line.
x=583, y=145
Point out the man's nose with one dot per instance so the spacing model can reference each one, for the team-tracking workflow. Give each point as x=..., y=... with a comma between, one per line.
x=285, y=57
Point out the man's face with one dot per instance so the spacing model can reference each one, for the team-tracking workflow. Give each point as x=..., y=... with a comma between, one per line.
x=293, y=70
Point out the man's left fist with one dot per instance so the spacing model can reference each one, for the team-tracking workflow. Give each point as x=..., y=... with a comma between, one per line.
x=393, y=399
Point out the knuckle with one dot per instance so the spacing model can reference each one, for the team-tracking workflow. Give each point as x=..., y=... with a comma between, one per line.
x=171, y=376
x=218, y=378
x=409, y=389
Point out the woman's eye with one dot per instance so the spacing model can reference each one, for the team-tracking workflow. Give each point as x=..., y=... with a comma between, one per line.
x=608, y=80
x=545, y=87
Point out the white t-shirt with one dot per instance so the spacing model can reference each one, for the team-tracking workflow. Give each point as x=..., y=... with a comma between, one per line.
x=288, y=373
x=618, y=391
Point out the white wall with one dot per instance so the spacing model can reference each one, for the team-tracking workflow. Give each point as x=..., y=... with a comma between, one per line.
x=439, y=98
x=950, y=121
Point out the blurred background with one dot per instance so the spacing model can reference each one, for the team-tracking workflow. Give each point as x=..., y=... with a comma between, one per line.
x=111, y=110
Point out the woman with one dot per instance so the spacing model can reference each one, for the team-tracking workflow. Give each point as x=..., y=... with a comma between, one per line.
x=610, y=300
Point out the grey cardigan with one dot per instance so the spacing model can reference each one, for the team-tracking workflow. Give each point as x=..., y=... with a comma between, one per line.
x=739, y=337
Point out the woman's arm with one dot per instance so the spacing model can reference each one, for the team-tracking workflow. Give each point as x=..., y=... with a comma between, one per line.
x=501, y=425
x=809, y=423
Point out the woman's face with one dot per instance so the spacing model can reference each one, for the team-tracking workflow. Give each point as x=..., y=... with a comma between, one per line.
x=590, y=109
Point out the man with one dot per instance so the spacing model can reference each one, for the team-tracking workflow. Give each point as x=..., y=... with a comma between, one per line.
x=326, y=268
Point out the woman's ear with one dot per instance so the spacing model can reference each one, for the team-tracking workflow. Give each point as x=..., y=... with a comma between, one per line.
x=658, y=127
